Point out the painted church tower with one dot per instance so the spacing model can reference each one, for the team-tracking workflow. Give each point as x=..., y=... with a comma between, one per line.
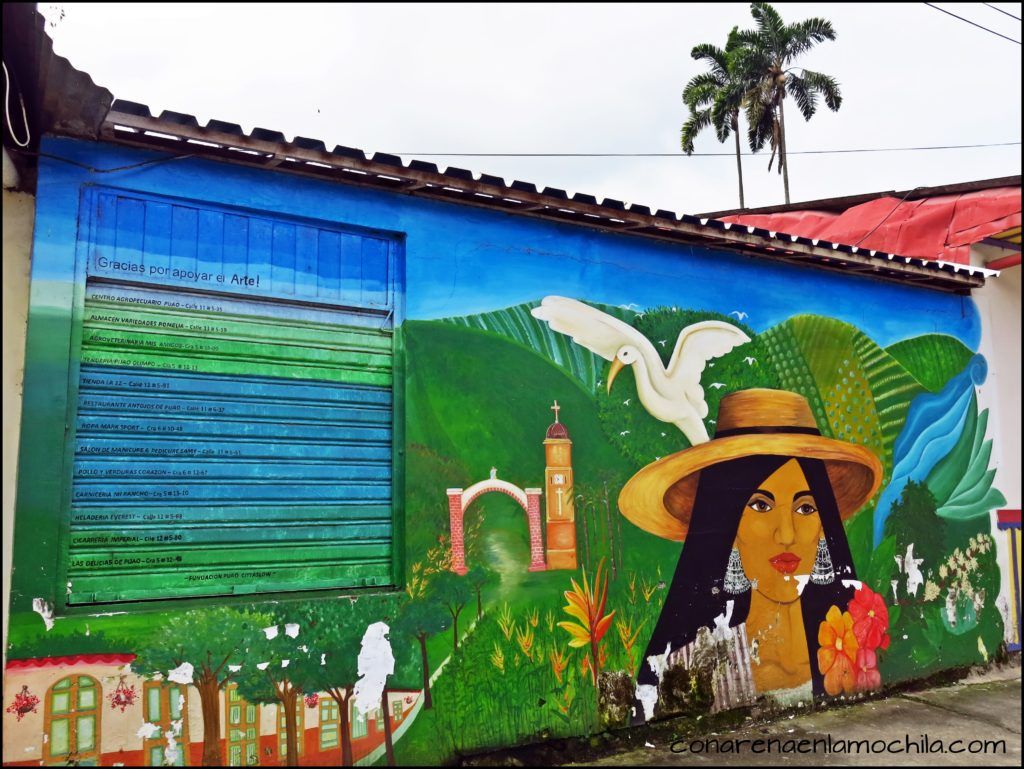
x=558, y=488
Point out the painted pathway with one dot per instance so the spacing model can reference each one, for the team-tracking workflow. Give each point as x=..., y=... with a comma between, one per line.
x=377, y=753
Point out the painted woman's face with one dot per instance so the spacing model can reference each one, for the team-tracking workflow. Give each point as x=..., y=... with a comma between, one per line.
x=779, y=532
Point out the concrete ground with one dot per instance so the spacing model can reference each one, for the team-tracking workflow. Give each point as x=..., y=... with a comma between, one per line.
x=985, y=707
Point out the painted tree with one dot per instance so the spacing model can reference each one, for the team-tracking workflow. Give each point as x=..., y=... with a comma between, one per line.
x=335, y=631
x=766, y=60
x=715, y=98
x=452, y=592
x=478, y=578
x=276, y=672
x=420, y=620
x=213, y=641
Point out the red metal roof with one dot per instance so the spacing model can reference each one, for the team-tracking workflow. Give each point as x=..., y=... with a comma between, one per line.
x=941, y=227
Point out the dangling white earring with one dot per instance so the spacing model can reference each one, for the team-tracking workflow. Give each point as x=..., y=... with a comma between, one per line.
x=735, y=578
x=823, y=573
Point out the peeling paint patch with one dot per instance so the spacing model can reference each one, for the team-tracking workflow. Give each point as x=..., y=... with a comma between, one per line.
x=172, y=751
x=148, y=731
x=45, y=610
x=291, y=630
x=856, y=584
x=285, y=663
x=270, y=632
x=376, y=663
x=181, y=674
x=234, y=668
x=721, y=629
x=648, y=698
x=262, y=665
x=801, y=582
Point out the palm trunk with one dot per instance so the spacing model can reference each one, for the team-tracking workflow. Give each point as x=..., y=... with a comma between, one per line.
x=783, y=160
x=739, y=164
x=479, y=602
x=209, y=700
x=428, y=703
x=389, y=747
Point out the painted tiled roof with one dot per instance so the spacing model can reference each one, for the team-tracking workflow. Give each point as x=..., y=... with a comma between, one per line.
x=73, y=659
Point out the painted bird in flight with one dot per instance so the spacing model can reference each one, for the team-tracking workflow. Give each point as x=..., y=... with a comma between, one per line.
x=669, y=393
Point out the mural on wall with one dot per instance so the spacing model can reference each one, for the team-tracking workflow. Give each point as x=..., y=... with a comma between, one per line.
x=694, y=511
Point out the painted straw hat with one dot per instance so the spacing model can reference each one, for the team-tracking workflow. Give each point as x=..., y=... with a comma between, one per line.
x=659, y=498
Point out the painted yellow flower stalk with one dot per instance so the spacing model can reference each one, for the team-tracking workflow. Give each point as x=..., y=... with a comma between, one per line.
x=628, y=636
x=524, y=638
x=505, y=621
x=498, y=658
x=559, y=662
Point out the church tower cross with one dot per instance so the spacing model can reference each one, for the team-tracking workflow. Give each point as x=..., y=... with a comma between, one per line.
x=556, y=408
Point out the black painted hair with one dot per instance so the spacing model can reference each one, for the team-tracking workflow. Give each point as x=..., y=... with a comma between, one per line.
x=696, y=595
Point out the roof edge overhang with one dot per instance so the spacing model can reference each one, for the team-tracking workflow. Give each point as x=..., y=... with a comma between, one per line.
x=132, y=124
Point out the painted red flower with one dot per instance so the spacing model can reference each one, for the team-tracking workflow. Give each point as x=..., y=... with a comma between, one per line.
x=870, y=619
x=867, y=676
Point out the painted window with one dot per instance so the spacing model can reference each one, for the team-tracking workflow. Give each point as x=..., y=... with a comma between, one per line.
x=396, y=710
x=262, y=344
x=243, y=729
x=358, y=721
x=282, y=729
x=329, y=723
x=166, y=707
x=72, y=721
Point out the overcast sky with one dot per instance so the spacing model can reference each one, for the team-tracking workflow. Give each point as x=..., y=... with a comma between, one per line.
x=412, y=79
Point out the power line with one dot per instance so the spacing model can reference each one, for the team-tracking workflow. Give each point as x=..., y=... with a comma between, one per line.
x=1007, y=13
x=973, y=24
x=695, y=154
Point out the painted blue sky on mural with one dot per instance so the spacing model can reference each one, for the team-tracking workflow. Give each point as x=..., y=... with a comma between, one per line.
x=461, y=260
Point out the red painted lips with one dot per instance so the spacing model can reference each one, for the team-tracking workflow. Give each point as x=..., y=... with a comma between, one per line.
x=785, y=562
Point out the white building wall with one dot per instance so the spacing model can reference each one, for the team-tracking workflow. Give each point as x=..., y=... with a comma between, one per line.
x=19, y=217
x=999, y=305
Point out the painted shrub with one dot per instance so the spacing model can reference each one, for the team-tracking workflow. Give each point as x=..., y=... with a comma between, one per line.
x=628, y=479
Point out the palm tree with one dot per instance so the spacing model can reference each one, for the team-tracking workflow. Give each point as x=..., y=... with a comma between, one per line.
x=765, y=60
x=715, y=97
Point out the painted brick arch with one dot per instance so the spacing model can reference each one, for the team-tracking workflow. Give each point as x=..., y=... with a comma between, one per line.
x=528, y=499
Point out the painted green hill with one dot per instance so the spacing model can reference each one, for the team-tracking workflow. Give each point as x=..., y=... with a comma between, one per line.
x=518, y=324
x=932, y=359
x=480, y=400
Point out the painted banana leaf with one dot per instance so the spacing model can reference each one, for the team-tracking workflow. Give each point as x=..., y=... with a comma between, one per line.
x=962, y=482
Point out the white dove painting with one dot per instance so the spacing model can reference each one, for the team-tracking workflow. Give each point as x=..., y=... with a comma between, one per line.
x=670, y=393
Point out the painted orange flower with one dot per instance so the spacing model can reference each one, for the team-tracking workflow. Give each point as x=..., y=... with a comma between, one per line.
x=870, y=618
x=837, y=652
x=586, y=605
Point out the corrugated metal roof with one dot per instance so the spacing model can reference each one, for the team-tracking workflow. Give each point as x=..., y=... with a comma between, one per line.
x=57, y=96
x=839, y=204
x=941, y=227
x=132, y=123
